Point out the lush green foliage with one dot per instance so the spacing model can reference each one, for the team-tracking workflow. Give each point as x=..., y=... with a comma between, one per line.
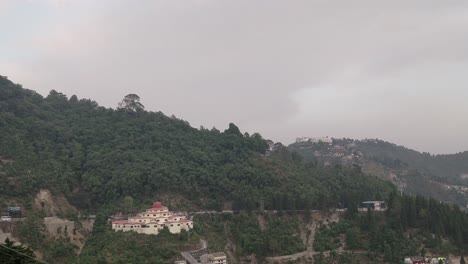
x=15, y=254
x=31, y=230
x=59, y=251
x=98, y=156
x=445, y=167
x=328, y=236
x=278, y=236
x=417, y=173
x=410, y=223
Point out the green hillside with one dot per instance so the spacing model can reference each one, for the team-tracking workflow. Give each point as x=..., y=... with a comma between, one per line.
x=442, y=177
x=97, y=157
x=450, y=167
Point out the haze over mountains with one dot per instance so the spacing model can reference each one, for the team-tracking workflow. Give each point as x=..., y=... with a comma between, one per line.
x=440, y=176
x=365, y=69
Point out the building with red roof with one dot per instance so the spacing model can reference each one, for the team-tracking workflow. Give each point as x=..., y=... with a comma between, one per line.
x=153, y=220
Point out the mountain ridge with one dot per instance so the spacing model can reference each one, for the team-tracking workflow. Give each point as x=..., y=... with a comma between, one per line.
x=442, y=174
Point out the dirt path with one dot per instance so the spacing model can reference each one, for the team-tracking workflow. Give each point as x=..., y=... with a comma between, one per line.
x=261, y=221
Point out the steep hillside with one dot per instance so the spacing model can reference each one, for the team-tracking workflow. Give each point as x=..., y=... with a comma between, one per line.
x=443, y=177
x=96, y=156
x=450, y=168
x=72, y=157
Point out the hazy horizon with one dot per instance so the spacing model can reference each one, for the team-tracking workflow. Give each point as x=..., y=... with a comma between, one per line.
x=394, y=71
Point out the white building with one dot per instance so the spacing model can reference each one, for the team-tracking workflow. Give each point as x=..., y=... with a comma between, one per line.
x=153, y=220
x=302, y=139
x=374, y=205
x=214, y=258
x=328, y=140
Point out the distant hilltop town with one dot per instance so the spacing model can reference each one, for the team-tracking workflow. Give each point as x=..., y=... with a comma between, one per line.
x=315, y=139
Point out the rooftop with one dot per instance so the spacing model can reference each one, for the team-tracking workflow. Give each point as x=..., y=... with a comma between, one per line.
x=218, y=254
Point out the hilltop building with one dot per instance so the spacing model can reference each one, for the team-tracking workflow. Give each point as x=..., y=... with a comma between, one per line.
x=328, y=140
x=153, y=220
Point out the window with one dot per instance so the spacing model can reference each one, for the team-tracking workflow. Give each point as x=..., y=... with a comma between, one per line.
x=172, y=224
x=178, y=224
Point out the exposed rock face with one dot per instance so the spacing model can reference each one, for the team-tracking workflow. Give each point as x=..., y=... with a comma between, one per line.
x=52, y=204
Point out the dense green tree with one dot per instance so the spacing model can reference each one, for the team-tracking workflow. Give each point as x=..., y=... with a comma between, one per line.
x=16, y=254
x=128, y=204
x=131, y=102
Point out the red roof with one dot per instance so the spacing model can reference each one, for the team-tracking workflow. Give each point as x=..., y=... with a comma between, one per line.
x=157, y=205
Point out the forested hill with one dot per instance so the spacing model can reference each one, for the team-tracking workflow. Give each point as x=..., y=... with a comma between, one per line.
x=444, y=177
x=96, y=156
x=452, y=168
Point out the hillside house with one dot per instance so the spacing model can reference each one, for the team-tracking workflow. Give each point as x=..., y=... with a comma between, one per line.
x=153, y=220
x=214, y=258
x=374, y=205
x=426, y=260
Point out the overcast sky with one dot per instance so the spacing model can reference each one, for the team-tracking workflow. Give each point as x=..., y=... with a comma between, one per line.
x=395, y=70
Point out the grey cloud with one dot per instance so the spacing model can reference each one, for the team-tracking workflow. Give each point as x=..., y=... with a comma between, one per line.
x=282, y=68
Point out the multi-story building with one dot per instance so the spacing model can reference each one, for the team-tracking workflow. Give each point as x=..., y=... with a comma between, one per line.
x=153, y=220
